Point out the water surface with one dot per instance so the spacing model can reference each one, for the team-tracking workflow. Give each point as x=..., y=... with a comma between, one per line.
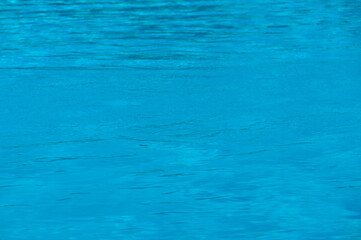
x=160, y=119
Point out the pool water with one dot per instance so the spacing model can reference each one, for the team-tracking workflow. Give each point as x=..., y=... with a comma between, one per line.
x=180, y=119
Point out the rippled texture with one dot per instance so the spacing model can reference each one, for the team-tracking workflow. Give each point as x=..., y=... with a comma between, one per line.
x=180, y=119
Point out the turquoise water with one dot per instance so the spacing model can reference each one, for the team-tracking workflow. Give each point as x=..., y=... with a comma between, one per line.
x=180, y=119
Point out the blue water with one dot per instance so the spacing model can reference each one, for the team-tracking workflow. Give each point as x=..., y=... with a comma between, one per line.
x=180, y=119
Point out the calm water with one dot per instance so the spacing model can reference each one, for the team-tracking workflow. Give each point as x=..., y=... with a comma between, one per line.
x=180, y=119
